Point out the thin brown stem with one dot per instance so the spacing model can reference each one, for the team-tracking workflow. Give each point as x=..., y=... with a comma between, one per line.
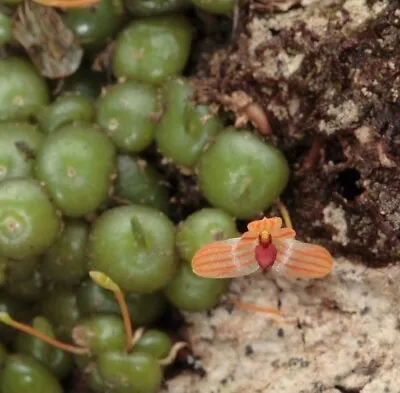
x=284, y=213
x=52, y=341
x=254, y=308
x=126, y=318
x=270, y=312
x=105, y=282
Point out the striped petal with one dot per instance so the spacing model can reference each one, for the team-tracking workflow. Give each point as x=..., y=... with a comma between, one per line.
x=227, y=258
x=297, y=259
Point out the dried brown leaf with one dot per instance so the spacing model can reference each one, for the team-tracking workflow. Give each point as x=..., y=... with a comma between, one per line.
x=50, y=44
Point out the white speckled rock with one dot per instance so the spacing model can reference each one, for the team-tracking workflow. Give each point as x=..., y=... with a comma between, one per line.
x=347, y=336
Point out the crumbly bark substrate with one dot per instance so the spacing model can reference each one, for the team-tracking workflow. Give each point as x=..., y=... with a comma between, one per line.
x=328, y=76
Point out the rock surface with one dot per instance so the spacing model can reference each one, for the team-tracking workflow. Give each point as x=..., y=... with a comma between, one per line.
x=342, y=335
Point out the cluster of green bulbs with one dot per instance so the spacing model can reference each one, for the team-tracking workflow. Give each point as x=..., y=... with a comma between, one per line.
x=77, y=196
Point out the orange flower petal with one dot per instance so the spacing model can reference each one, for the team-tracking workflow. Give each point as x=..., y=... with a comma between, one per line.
x=283, y=233
x=266, y=224
x=297, y=259
x=226, y=258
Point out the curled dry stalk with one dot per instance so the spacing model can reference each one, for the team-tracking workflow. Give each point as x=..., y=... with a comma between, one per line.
x=170, y=358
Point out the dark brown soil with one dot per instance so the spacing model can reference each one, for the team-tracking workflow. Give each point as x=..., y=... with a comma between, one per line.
x=336, y=117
